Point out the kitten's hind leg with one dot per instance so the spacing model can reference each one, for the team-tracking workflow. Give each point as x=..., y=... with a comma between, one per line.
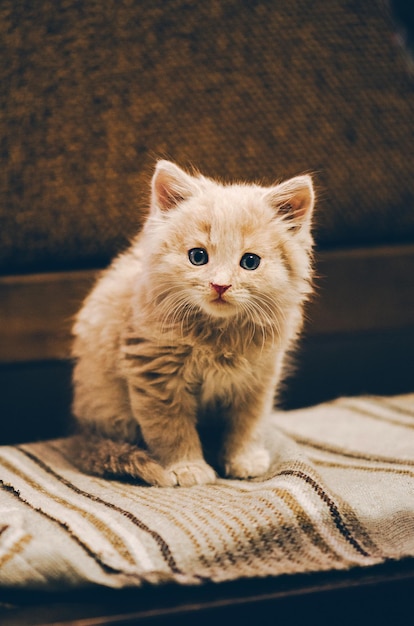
x=101, y=456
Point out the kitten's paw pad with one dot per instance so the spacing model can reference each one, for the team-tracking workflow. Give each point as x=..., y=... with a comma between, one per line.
x=250, y=464
x=189, y=473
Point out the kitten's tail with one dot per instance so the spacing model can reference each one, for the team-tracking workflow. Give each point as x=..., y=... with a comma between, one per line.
x=100, y=456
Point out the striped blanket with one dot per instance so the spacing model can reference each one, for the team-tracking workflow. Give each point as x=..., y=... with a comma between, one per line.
x=340, y=494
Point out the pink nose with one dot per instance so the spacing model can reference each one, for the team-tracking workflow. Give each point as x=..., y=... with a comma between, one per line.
x=220, y=288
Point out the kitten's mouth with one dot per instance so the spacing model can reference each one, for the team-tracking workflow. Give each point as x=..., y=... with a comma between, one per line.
x=218, y=304
x=221, y=307
x=221, y=301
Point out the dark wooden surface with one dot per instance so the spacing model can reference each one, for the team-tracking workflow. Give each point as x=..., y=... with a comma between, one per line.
x=380, y=595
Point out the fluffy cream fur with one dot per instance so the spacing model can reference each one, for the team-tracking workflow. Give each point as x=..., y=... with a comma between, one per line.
x=171, y=344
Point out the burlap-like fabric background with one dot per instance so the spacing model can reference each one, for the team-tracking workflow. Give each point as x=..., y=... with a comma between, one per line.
x=93, y=91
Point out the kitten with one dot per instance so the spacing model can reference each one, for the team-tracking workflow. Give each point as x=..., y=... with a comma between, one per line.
x=189, y=329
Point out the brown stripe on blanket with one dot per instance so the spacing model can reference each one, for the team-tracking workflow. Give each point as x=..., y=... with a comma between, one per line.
x=392, y=405
x=332, y=449
x=162, y=545
x=267, y=544
x=373, y=414
x=268, y=535
x=15, y=549
x=270, y=521
x=165, y=511
x=333, y=509
x=289, y=544
x=105, y=567
x=361, y=468
x=114, y=539
x=352, y=520
x=246, y=549
x=305, y=522
x=347, y=512
x=271, y=540
x=204, y=515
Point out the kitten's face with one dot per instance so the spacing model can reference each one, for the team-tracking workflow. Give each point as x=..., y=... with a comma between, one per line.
x=224, y=251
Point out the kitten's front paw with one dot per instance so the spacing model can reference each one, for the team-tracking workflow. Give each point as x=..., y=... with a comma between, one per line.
x=189, y=473
x=249, y=464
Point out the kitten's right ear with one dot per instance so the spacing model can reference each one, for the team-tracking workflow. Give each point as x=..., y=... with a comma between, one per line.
x=170, y=186
x=294, y=200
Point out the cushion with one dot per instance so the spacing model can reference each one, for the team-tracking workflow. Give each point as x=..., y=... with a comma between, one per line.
x=92, y=93
x=340, y=494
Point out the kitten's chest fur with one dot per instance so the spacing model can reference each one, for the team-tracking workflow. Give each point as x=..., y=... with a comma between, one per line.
x=221, y=371
x=214, y=367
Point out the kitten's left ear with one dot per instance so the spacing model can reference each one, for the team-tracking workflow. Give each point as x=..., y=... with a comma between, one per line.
x=294, y=200
x=170, y=186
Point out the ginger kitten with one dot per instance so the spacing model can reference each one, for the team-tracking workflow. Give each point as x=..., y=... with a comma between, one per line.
x=187, y=331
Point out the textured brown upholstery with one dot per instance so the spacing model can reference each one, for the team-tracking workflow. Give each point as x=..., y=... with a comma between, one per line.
x=92, y=92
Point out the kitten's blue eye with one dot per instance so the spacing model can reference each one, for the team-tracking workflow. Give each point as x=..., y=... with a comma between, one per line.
x=198, y=256
x=250, y=261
